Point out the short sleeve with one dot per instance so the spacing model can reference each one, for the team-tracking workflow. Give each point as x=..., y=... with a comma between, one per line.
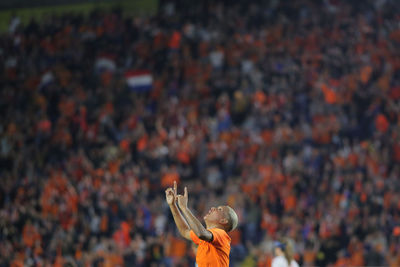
x=194, y=237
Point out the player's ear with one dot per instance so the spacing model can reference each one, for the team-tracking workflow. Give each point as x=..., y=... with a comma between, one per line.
x=223, y=221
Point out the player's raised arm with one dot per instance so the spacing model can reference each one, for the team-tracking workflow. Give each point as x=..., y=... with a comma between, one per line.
x=183, y=227
x=196, y=226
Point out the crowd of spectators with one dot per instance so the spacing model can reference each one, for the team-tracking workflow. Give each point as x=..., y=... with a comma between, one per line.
x=289, y=111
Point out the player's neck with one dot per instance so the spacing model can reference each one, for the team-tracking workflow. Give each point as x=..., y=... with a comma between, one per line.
x=214, y=225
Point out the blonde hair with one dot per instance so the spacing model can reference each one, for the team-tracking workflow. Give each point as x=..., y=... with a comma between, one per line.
x=232, y=219
x=288, y=249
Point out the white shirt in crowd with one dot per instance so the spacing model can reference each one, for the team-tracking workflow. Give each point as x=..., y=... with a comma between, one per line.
x=280, y=261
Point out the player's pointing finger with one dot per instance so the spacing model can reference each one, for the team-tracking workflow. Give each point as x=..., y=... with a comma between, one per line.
x=175, y=190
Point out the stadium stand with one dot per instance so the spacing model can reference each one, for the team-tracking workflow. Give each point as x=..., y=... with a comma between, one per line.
x=288, y=111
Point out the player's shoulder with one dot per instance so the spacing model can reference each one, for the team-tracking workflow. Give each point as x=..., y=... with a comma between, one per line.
x=219, y=232
x=220, y=236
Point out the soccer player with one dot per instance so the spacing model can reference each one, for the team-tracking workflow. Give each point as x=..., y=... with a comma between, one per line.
x=213, y=241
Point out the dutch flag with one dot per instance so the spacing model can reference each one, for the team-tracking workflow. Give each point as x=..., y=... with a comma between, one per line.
x=105, y=62
x=139, y=80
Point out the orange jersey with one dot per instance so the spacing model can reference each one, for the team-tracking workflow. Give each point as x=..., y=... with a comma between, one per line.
x=214, y=253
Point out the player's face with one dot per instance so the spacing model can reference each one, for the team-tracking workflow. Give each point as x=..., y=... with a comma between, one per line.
x=215, y=214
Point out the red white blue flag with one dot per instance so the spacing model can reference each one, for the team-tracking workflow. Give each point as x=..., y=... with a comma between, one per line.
x=139, y=80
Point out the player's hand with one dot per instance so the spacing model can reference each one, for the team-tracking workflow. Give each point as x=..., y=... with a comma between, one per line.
x=170, y=195
x=183, y=200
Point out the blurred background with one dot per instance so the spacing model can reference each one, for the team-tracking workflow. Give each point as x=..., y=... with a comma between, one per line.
x=289, y=111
